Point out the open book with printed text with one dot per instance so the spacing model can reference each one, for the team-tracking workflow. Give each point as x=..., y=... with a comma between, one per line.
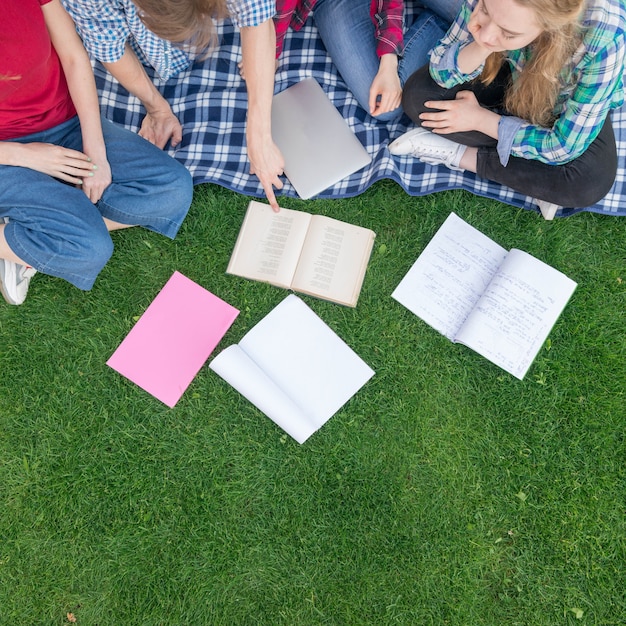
x=470, y=289
x=294, y=368
x=311, y=254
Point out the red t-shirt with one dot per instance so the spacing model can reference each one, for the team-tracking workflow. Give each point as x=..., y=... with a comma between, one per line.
x=33, y=91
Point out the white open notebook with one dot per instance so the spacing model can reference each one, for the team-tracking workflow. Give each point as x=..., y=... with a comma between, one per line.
x=294, y=368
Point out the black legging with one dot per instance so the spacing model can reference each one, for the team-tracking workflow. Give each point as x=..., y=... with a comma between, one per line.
x=580, y=183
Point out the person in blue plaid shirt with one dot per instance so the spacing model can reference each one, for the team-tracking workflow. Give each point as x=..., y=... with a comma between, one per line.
x=522, y=91
x=126, y=34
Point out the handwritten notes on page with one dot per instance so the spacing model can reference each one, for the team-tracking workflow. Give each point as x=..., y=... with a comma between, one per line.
x=502, y=305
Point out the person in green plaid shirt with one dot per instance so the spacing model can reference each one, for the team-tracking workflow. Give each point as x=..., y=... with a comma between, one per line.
x=522, y=91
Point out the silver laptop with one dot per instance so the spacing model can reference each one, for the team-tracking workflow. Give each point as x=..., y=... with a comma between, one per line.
x=318, y=146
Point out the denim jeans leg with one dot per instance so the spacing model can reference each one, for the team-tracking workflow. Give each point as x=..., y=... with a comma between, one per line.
x=420, y=38
x=347, y=31
x=447, y=9
x=149, y=188
x=52, y=226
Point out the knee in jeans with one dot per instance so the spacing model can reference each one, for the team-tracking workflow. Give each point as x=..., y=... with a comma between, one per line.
x=95, y=253
x=178, y=193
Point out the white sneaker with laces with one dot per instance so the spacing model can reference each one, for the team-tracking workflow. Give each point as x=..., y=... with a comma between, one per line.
x=14, y=281
x=428, y=147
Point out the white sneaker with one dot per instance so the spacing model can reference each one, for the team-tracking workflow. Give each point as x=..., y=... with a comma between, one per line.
x=428, y=147
x=548, y=209
x=14, y=281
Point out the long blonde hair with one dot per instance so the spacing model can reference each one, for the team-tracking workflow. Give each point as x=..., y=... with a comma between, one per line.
x=186, y=22
x=534, y=94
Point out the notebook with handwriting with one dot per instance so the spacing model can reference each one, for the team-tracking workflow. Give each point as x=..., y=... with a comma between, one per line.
x=469, y=288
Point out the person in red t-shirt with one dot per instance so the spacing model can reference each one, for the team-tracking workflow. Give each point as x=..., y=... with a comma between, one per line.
x=68, y=176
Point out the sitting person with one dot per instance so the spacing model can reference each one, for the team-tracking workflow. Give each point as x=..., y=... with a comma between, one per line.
x=68, y=177
x=125, y=34
x=522, y=91
x=366, y=42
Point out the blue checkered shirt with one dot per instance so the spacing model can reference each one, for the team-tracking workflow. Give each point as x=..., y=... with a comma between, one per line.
x=106, y=25
x=593, y=84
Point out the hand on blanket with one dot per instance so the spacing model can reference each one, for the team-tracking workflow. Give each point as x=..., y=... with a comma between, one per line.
x=159, y=127
x=267, y=163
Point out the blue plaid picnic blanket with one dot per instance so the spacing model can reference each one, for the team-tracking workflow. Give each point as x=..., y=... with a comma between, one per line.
x=210, y=100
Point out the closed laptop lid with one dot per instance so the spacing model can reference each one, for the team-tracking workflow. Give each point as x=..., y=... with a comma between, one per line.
x=318, y=146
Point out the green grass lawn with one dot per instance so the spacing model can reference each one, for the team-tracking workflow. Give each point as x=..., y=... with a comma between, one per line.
x=445, y=492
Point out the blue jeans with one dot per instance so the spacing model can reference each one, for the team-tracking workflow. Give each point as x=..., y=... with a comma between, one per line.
x=347, y=31
x=57, y=230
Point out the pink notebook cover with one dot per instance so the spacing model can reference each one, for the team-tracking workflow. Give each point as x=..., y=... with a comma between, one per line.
x=173, y=338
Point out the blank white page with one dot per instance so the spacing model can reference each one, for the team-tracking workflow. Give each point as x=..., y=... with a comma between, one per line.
x=306, y=359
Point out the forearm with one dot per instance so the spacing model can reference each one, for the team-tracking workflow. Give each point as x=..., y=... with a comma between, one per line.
x=84, y=95
x=258, y=50
x=160, y=125
x=488, y=122
x=471, y=57
x=444, y=58
x=130, y=73
x=10, y=153
x=258, y=46
x=79, y=76
x=388, y=64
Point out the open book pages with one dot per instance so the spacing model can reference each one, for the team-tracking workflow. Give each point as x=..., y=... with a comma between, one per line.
x=294, y=368
x=501, y=304
x=311, y=254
